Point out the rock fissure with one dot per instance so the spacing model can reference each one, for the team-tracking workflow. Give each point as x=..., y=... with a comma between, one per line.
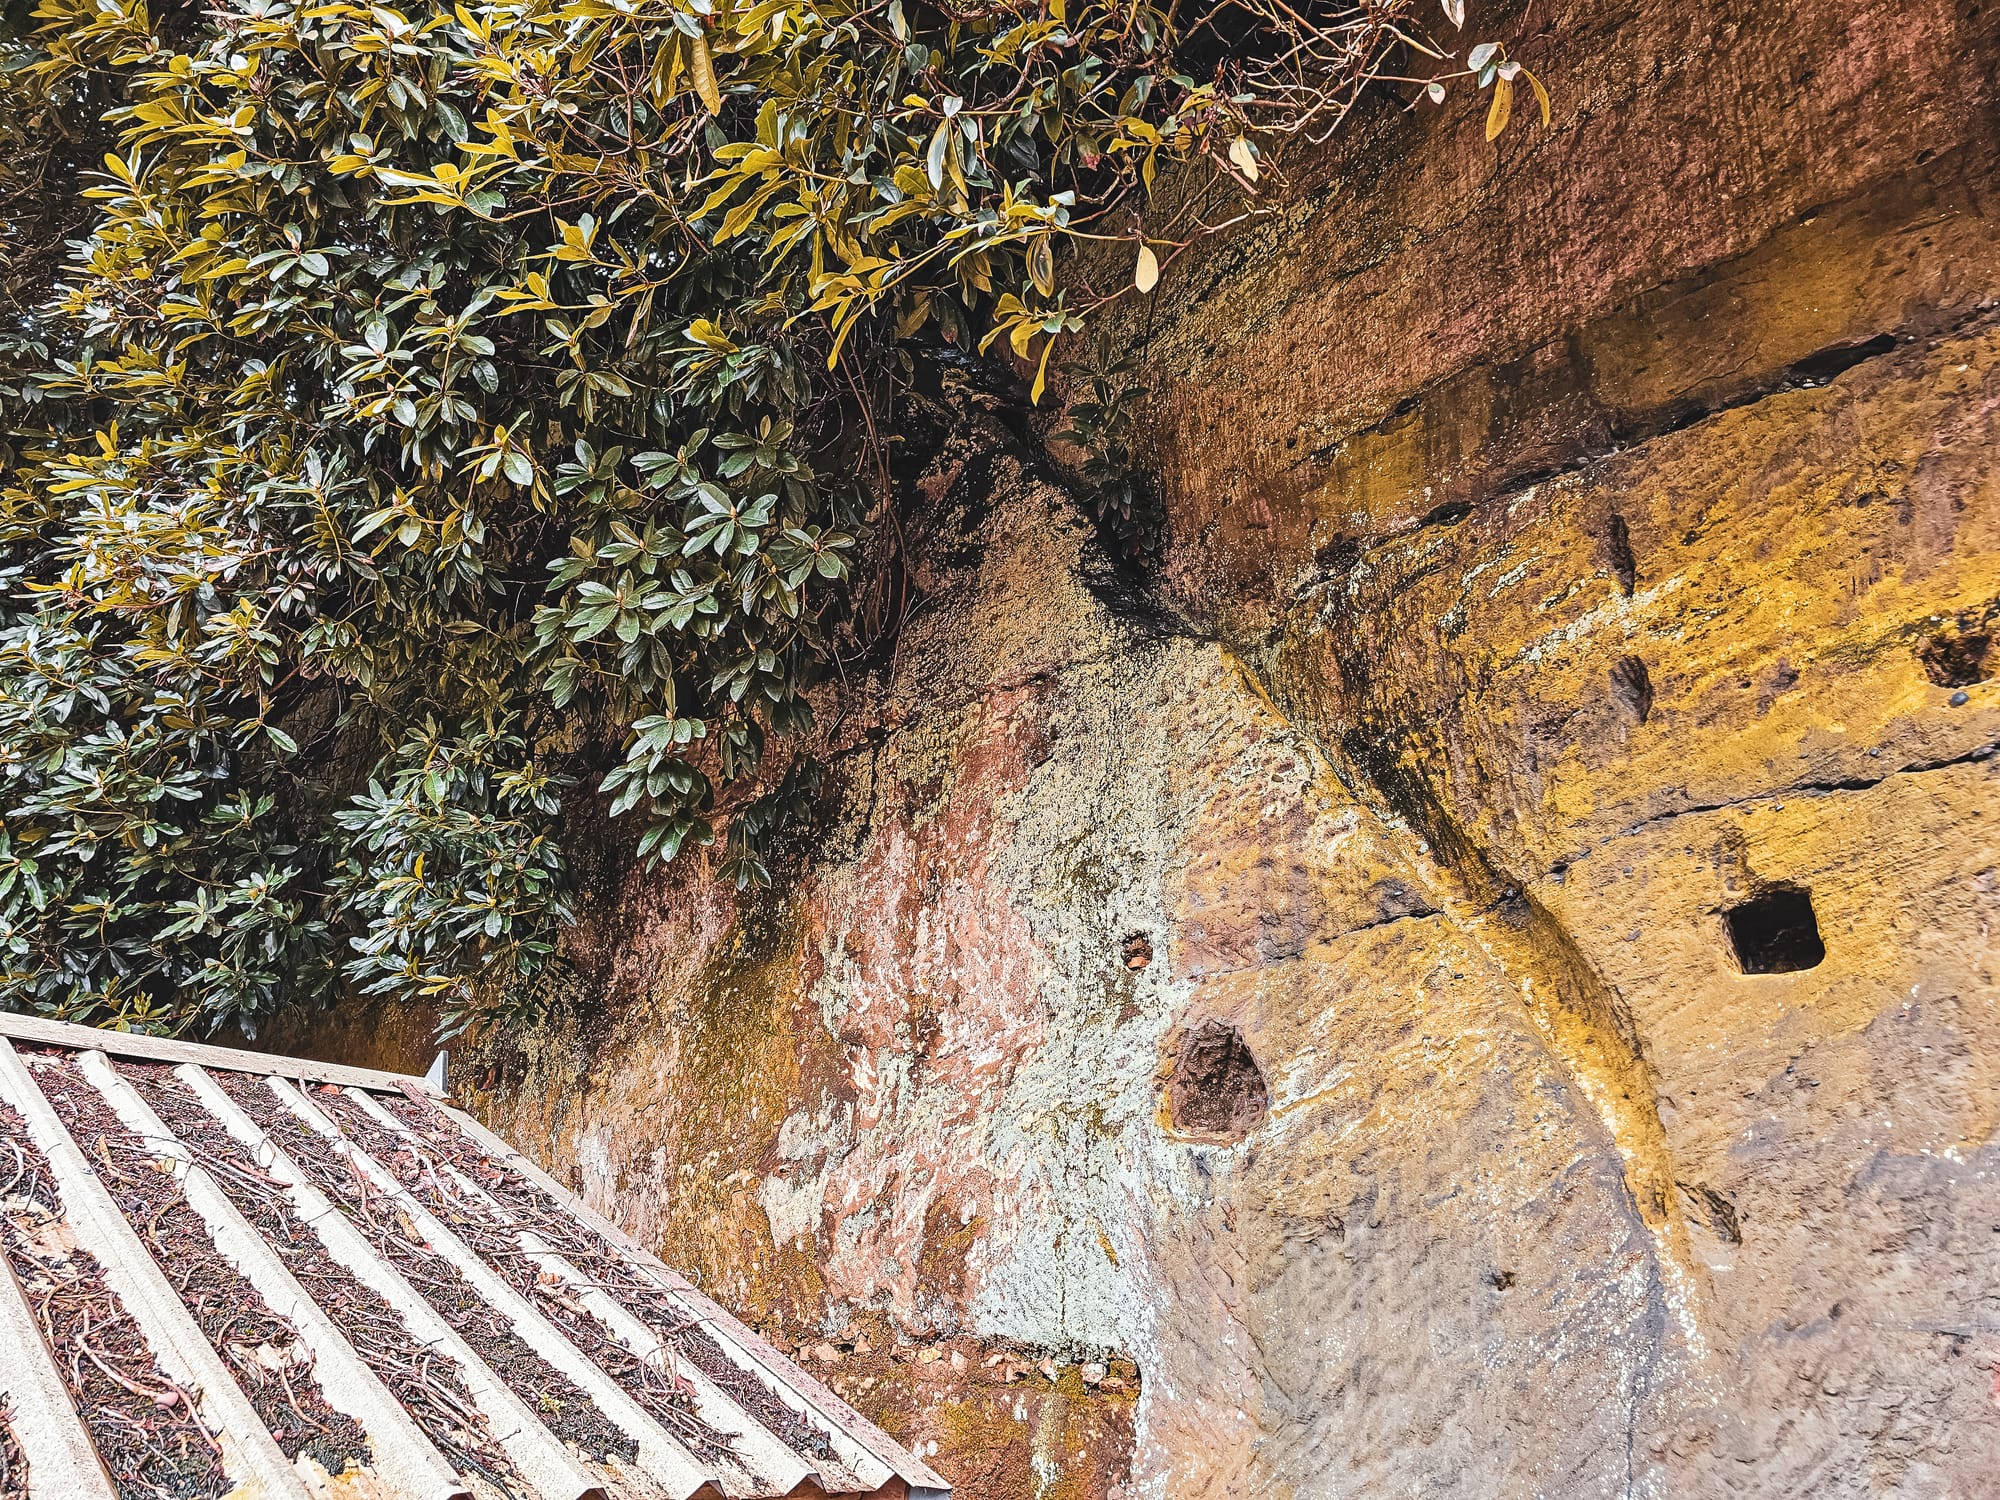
x=1973, y=757
x=1809, y=372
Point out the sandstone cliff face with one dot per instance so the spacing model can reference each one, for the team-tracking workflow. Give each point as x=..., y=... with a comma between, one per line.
x=1288, y=1033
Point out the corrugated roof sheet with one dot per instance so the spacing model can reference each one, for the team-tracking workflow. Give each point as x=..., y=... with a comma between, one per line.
x=232, y=1275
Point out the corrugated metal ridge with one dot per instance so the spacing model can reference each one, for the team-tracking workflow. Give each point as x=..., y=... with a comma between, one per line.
x=229, y=1276
x=905, y=1465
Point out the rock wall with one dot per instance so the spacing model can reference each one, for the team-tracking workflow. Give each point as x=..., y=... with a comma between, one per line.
x=1479, y=981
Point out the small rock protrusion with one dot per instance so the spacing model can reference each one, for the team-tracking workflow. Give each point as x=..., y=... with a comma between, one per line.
x=1618, y=549
x=1632, y=688
x=1956, y=658
x=1718, y=1211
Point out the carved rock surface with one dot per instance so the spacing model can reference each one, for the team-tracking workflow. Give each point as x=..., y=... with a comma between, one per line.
x=1571, y=543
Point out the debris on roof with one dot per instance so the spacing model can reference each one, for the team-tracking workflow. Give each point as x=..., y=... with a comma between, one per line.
x=227, y=1275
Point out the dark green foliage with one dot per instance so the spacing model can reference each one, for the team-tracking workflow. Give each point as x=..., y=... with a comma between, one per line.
x=448, y=411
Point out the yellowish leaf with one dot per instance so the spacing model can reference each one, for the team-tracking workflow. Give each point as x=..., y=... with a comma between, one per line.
x=1146, y=275
x=1245, y=158
x=1502, y=108
x=703, y=68
x=912, y=317
x=1541, y=95
x=1042, y=265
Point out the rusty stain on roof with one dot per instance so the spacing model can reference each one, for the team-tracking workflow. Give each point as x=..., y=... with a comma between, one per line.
x=228, y=1276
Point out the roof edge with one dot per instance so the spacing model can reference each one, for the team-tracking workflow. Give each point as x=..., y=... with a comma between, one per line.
x=38, y=1029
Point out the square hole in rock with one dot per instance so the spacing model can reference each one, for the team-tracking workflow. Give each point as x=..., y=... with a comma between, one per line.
x=1775, y=932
